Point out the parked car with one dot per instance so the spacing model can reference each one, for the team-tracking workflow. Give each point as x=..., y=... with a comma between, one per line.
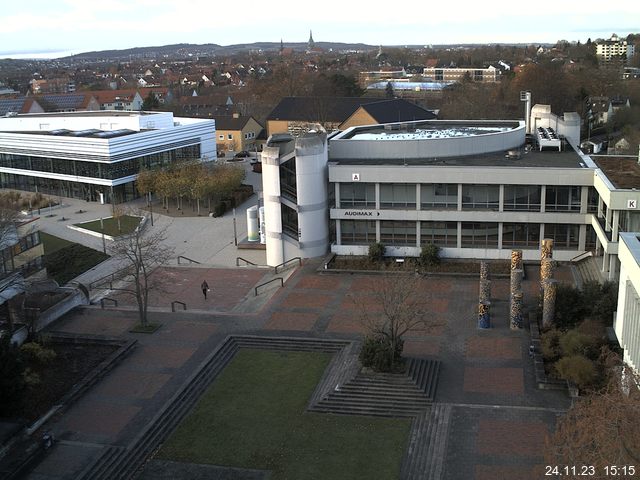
x=220, y=153
x=257, y=167
x=242, y=154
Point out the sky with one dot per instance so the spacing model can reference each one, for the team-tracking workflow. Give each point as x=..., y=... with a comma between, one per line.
x=52, y=28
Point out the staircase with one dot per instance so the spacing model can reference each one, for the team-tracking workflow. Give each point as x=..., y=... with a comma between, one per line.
x=424, y=459
x=384, y=394
x=587, y=270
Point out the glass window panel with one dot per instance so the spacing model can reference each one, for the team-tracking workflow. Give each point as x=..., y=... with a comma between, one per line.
x=443, y=234
x=521, y=235
x=480, y=197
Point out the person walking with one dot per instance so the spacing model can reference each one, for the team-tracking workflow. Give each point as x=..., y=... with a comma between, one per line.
x=205, y=288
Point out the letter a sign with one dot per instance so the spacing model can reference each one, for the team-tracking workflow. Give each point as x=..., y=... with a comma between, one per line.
x=355, y=177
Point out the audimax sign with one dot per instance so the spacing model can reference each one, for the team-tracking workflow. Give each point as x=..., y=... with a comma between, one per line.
x=361, y=213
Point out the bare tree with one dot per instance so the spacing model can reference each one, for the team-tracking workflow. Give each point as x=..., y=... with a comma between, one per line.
x=10, y=279
x=394, y=305
x=142, y=252
x=601, y=429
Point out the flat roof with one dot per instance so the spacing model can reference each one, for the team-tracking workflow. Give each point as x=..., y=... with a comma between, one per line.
x=428, y=130
x=622, y=172
x=90, y=113
x=533, y=159
x=87, y=133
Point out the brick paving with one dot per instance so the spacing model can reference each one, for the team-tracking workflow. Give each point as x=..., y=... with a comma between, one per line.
x=495, y=380
x=484, y=375
x=504, y=348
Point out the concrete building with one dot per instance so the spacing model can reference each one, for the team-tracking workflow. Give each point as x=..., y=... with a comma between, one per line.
x=455, y=74
x=627, y=321
x=294, y=173
x=614, y=51
x=96, y=155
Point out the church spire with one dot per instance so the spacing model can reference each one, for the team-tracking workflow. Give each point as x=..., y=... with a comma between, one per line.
x=311, y=43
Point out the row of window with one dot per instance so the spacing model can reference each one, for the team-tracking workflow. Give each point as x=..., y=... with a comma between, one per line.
x=473, y=234
x=444, y=196
x=109, y=171
x=8, y=254
x=247, y=136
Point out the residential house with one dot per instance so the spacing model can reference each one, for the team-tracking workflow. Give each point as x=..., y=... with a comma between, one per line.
x=127, y=100
x=614, y=52
x=236, y=133
x=601, y=110
x=70, y=102
x=19, y=105
x=295, y=115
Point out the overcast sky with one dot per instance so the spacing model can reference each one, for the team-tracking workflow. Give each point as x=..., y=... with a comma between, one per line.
x=75, y=26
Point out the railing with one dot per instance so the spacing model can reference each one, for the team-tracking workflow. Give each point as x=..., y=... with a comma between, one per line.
x=247, y=262
x=187, y=258
x=582, y=256
x=118, y=275
x=115, y=302
x=173, y=305
x=288, y=261
x=255, y=290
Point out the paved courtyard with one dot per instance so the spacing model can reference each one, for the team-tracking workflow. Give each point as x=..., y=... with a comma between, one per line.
x=499, y=419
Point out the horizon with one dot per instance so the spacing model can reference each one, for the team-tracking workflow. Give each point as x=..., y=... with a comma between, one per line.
x=29, y=29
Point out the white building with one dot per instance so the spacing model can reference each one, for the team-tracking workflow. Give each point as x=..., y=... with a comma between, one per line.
x=627, y=321
x=614, y=49
x=96, y=155
x=455, y=74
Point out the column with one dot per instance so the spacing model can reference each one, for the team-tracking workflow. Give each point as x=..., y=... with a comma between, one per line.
x=543, y=198
x=484, y=320
x=501, y=198
x=549, y=303
x=614, y=225
x=516, y=311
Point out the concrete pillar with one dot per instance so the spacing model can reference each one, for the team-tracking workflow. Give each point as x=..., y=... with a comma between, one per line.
x=543, y=198
x=515, y=320
x=501, y=198
x=516, y=259
x=484, y=320
x=484, y=270
x=615, y=220
x=549, y=303
x=485, y=291
x=613, y=267
x=546, y=250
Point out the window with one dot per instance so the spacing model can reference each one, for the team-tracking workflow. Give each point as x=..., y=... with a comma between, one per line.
x=220, y=137
x=289, y=221
x=230, y=136
x=357, y=195
x=479, y=235
x=562, y=199
x=398, y=195
x=480, y=197
x=522, y=198
x=398, y=232
x=443, y=234
x=521, y=235
x=592, y=200
x=357, y=232
x=565, y=237
x=439, y=196
x=288, y=183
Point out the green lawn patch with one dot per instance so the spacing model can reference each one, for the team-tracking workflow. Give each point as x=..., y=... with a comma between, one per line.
x=66, y=262
x=253, y=416
x=128, y=224
x=51, y=243
x=148, y=328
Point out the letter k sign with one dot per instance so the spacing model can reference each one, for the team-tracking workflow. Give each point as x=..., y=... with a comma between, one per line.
x=632, y=204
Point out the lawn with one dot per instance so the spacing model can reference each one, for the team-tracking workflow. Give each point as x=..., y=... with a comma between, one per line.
x=66, y=260
x=253, y=416
x=128, y=224
x=51, y=243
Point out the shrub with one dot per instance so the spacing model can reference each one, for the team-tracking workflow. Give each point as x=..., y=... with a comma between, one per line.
x=376, y=353
x=577, y=369
x=67, y=263
x=430, y=255
x=550, y=344
x=575, y=342
x=570, y=306
x=376, y=252
x=36, y=353
x=12, y=385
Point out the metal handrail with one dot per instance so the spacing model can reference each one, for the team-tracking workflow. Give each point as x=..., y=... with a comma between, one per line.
x=284, y=263
x=581, y=256
x=248, y=262
x=187, y=258
x=115, y=302
x=173, y=305
x=255, y=290
x=111, y=277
